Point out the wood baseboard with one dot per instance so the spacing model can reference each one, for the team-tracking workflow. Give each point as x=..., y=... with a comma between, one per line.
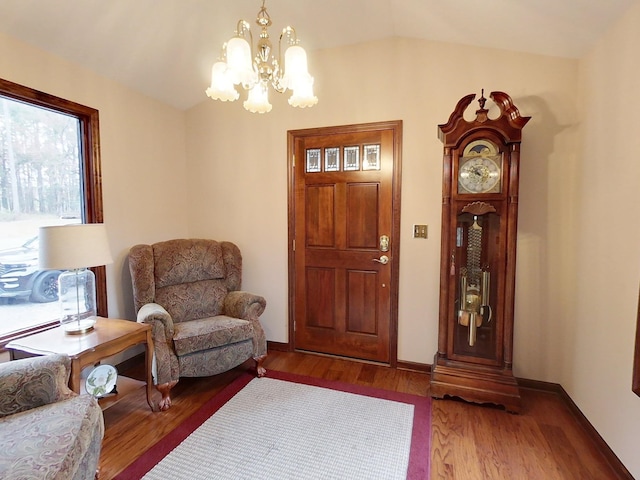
x=414, y=366
x=131, y=363
x=557, y=389
x=278, y=346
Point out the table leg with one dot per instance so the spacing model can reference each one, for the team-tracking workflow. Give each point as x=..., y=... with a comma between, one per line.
x=74, y=379
x=148, y=356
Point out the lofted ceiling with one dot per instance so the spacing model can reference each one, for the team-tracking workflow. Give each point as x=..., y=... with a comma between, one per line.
x=165, y=48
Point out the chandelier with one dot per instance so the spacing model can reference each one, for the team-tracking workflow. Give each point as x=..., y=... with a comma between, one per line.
x=236, y=67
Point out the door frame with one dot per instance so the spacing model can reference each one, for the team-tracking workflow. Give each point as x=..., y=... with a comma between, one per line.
x=292, y=135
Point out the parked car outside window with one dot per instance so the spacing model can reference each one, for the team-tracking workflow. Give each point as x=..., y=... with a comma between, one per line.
x=20, y=277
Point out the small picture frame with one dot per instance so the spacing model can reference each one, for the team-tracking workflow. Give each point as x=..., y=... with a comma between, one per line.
x=313, y=160
x=332, y=159
x=371, y=157
x=351, y=158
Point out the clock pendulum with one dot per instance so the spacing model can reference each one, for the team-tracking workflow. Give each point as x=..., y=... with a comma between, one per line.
x=478, y=251
x=474, y=310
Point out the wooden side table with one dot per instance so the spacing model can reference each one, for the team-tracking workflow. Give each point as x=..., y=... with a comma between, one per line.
x=108, y=337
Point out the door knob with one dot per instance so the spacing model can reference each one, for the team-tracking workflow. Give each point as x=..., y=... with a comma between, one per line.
x=383, y=260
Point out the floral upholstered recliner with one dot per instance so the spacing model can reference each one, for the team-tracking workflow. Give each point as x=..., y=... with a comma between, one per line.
x=46, y=430
x=202, y=324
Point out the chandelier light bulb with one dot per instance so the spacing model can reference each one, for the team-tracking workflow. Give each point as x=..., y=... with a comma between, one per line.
x=256, y=69
x=295, y=59
x=258, y=99
x=221, y=84
x=239, y=61
x=302, y=95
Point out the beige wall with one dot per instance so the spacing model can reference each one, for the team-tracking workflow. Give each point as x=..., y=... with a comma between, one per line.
x=143, y=154
x=242, y=185
x=604, y=301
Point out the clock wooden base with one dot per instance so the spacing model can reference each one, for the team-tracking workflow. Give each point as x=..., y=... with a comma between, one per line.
x=475, y=384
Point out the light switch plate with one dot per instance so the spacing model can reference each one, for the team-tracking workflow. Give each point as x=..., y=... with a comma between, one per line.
x=420, y=231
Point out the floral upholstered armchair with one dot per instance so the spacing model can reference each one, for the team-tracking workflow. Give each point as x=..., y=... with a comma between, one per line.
x=46, y=430
x=188, y=290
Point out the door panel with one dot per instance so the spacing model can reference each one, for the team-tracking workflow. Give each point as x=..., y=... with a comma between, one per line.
x=320, y=297
x=320, y=230
x=362, y=315
x=362, y=215
x=344, y=195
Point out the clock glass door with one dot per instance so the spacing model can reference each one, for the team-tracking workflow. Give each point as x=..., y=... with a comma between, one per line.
x=476, y=262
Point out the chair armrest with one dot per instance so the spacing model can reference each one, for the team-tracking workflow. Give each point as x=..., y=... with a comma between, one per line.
x=244, y=305
x=33, y=382
x=153, y=313
x=166, y=369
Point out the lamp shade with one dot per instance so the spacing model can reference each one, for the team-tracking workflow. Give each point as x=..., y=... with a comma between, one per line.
x=221, y=84
x=239, y=61
x=67, y=247
x=258, y=99
x=302, y=95
x=295, y=63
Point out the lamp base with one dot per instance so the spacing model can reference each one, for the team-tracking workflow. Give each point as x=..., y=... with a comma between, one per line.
x=78, y=327
x=77, y=299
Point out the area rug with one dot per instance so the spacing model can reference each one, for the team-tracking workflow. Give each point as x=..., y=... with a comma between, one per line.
x=286, y=426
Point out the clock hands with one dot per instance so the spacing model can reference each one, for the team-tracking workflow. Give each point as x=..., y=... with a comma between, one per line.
x=481, y=173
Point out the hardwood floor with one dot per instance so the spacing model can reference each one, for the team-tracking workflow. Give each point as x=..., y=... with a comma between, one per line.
x=468, y=442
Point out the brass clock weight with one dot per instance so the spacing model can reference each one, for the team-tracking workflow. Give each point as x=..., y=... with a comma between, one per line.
x=481, y=165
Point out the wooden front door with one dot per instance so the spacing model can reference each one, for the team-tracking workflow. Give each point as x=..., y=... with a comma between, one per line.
x=344, y=204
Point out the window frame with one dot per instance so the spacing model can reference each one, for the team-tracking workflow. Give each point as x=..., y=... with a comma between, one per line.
x=91, y=176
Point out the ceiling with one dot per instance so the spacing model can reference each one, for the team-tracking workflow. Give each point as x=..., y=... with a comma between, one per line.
x=165, y=48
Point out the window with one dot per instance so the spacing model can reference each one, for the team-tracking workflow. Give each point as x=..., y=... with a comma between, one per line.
x=49, y=174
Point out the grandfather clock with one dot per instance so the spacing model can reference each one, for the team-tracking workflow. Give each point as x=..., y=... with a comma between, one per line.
x=477, y=267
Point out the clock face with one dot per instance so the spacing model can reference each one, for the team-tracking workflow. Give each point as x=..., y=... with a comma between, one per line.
x=480, y=168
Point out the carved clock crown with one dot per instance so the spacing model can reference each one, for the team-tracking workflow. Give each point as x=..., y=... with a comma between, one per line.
x=509, y=122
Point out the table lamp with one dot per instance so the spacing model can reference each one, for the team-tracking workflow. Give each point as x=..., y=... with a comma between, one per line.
x=74, y=248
